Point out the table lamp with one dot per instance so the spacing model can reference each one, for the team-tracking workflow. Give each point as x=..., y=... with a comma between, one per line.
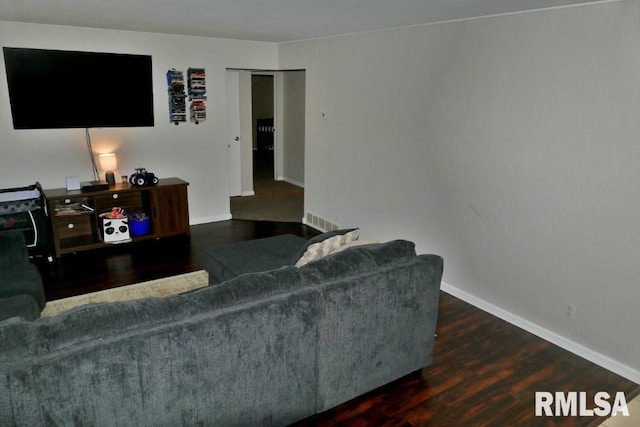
x=109, y=163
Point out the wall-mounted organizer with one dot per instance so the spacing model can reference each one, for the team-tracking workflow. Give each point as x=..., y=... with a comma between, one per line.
x=197, y=94
x=177, y=97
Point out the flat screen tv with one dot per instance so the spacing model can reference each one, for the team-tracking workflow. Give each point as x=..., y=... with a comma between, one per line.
x=50, y=89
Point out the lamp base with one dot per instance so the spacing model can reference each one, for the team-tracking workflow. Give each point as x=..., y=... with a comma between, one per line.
x=110, y=177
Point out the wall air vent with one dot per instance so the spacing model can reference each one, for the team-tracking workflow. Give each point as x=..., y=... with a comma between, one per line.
x=320, y=223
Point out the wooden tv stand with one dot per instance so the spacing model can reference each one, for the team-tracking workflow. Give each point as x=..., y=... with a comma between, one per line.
x=74, y=215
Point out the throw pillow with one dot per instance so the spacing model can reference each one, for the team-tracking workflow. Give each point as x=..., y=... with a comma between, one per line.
x=327, y=246
x=317, y=239
x=172, y=285
x=359, y=242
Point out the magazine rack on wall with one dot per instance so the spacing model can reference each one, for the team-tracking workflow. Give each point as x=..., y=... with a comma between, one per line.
x=197, y=94
x=177, y=98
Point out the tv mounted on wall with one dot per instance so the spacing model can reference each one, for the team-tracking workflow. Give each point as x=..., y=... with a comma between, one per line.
x=51, y=89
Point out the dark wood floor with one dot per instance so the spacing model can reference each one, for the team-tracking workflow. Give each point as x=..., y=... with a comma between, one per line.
x=84, y=272
x=485, y=371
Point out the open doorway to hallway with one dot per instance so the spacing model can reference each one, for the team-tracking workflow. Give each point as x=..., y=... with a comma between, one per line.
x=277, y=147
x=263, y=113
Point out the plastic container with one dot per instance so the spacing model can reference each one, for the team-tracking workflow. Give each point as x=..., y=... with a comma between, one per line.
x=139, y=224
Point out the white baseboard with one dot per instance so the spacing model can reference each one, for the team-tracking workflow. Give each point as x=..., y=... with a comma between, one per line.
x=204, y=220
x=248, y=193
x=569, y=345
x=290, y=181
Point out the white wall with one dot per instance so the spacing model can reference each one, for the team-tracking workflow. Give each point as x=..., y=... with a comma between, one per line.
x=196, y=153
x=510, y=145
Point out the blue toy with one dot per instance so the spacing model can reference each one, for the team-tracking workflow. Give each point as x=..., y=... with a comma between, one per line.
x=141, y=178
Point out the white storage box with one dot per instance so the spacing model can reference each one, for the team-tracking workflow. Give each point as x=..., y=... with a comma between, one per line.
x=115, y=230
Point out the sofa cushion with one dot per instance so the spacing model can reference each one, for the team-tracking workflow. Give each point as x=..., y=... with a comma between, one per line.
x=22, y=278
x=178, y=284
x=21, y=290
x=13, y=248
x=317, y=239
x=225, y=262
x=21, y=305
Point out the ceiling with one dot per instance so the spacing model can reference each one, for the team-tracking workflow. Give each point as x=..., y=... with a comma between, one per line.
x=260, y=20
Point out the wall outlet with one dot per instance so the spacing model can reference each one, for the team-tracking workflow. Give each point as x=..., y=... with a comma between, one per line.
x=570, y=310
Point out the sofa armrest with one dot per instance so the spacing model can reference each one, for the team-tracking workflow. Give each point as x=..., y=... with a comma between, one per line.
x=13, y=248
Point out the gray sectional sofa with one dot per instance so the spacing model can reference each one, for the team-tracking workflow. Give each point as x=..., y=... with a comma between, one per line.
x=21, y=290
x=263, y=348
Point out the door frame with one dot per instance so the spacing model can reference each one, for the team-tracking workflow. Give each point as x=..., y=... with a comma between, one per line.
x=246, y=131
x=234, y=173
x=240, y=105
x=277, y=119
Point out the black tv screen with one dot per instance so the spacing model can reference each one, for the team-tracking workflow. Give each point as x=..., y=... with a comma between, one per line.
x=50, y=89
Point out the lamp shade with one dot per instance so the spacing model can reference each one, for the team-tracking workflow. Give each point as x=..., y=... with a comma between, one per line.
x=108, y=161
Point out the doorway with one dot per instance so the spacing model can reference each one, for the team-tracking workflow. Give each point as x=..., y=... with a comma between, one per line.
x=263, y=112
x=270, y=163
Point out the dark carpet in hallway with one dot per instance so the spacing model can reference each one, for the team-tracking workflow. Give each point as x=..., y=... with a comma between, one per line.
x=273, y=200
